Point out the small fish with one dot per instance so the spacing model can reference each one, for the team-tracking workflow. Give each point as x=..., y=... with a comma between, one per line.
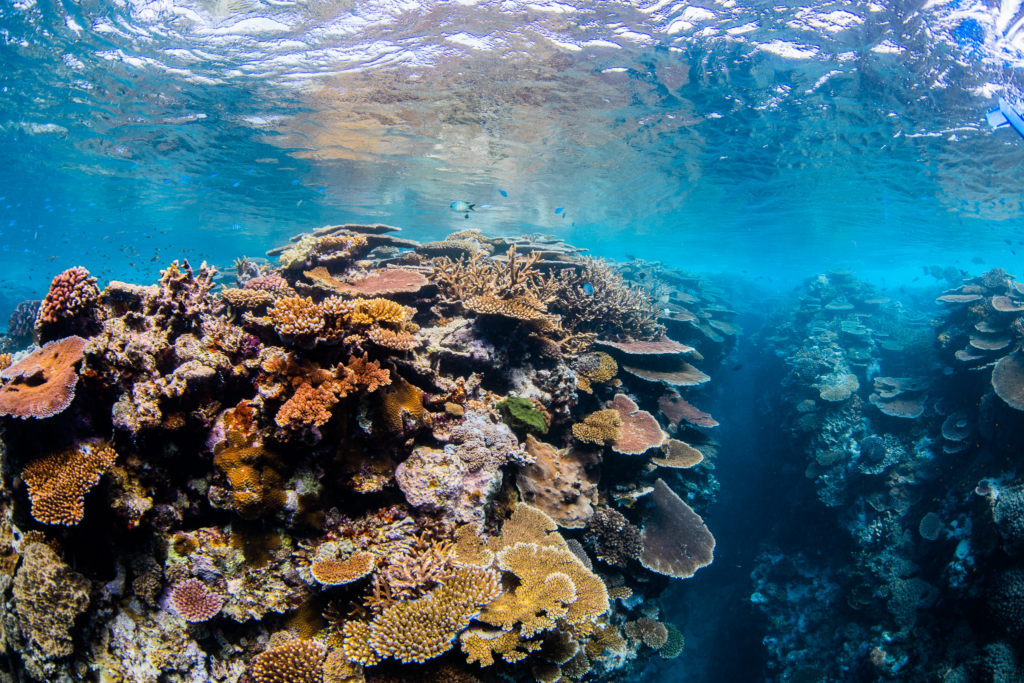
x=461, y=207
x=738, y=366
x=977, y=260
x=631, y=257
x=664, y=299
x=503, y=193
x=1008, y=241
x=1013, y=252
x=588, y=289
x=925, y=269
x=560, y=209
x=915, y=280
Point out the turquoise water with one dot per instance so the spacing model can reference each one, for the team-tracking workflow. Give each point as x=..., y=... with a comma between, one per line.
x=760, y=144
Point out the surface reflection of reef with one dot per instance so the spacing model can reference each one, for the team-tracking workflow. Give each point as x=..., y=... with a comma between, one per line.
x=381, y=460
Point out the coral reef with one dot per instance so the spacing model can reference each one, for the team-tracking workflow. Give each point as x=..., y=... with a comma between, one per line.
x=357, y=464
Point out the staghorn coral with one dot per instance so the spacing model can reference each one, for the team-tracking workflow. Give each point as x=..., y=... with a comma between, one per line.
x=599, y=427
x=43, y=383
x=48, y=598
x=182, y=301
x=340, y=572
x=72, y=295
x=412, y=572
x=424, y=628
x=195, y=602
x=297, y=661
x=58, y=481
x=389, y=339
x=369, y=311
x=675, y=541
x=308, y=406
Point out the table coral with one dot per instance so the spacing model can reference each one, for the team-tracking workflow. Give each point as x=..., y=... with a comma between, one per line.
x=675, y=540
x=333, y=572
x=639, y=431
x=58, y=481
x=43, y=383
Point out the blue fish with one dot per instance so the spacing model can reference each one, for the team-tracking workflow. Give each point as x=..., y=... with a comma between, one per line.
x=588, y=289
x=560, y=209
x=461, y=207
x=503, y=193
x=234, y=184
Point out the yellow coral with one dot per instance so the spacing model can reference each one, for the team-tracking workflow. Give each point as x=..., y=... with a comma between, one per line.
x=297, y=661
x=598, y=427
x=470, y=548
x=400, y=341
x=605, y=370
x=481, y=645
x=421, y=629
x=296, y=317
x=339, y=572
x=553, y=584
x=517, y=308
x=57, y=482
x=401, y=401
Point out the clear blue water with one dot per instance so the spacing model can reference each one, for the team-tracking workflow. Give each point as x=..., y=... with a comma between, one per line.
x=771, y=141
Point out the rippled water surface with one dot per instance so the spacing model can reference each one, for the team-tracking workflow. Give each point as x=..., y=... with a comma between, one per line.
x=798, y=135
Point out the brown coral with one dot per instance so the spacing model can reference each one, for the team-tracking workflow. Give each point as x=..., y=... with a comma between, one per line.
x=401, y=406
x=297, y=661
x=675, y=540
x=675, y=408
x=678, y=454
x=49, y=596
x=308, y=406
x=195, y=602
x=562, y=483
x=389, y=281
x=43, y=383
x=598, y=427
x=1007, y=380
x=340, y=572
x=247, y=299
x=651, y=632
x=58, y=481
x=517, y=308
x=639, y=432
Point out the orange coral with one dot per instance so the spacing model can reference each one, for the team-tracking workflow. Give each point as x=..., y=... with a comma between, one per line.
x=297, y=661
x=43, y=384
x=338, y=572
x=399, y=341
x=307, y=406
x=251, y=471
x=296, y=317
x=71, y=293
x=400, y=403
x=378, y=310
x=57, y=482
x=5, y=361
x=365, y=374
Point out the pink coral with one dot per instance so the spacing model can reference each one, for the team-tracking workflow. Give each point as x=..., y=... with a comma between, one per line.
x=72, y=294
x=639, y=432
x=195, y=602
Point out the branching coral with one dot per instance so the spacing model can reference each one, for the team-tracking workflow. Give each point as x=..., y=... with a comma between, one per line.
x=72, y=294
x=599, y=427
x=297, y=661
x=421, y=629
x=296, y=318
x=43, y=383
x=183, y=297
x=308, y=406
x=58, y=481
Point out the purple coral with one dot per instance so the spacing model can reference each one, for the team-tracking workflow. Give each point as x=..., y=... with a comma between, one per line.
x=195, y=602
x=23, y=320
